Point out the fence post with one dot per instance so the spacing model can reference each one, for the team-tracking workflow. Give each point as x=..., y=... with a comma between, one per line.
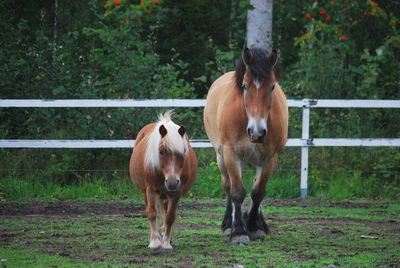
x=304, y=148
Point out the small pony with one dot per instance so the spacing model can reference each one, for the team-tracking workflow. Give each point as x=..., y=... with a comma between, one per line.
x=246, y=120
x=163, y=166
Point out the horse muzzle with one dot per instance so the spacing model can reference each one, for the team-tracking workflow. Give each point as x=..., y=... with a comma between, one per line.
x=172, y=185
x=256, y=136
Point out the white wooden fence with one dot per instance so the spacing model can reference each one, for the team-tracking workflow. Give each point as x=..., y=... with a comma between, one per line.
x=304, y=142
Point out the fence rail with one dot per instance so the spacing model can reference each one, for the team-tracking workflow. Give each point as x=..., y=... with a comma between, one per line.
x=304, y=142
x=76, y=144
x=129, y=103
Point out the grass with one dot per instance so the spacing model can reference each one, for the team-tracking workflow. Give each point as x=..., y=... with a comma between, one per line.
x=313, y=235
x=38, y=187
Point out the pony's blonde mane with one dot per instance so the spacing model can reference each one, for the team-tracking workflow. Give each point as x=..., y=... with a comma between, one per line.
x=173, y=141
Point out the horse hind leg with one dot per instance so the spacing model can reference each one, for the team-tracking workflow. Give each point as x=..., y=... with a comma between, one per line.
x=255, y=223
x=169, y=221
x=226, y=225
x=254, y=218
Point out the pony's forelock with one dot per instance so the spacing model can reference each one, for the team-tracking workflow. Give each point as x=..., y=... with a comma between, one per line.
x=172, y=141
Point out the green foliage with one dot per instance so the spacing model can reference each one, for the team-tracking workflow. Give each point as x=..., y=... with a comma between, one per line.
x=176, y=49
x=339, y=62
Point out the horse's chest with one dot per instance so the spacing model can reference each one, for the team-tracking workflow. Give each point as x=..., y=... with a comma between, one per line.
x=251, y=153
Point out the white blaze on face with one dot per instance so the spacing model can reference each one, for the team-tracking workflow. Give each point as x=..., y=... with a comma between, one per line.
x=171, y=174
x=257, y=124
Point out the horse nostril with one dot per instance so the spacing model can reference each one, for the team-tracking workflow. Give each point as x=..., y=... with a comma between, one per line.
x=263, y=132
x=249, y=131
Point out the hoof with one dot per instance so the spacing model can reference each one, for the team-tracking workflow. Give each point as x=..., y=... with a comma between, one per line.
x=257, y=235
x=228, y=232
x=240, y=240
x=156, y=251
x=167, y=250
x=155, y=246
x=166, y=247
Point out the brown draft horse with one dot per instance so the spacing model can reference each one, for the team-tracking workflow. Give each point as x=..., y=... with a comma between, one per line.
x=163, y=165
x=246, y=120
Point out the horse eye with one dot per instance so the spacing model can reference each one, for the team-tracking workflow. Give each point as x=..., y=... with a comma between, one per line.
x=162, y=152
x=245, y=86
x=272, y=87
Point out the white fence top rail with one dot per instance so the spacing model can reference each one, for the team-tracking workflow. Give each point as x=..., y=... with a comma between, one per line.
x=194, y=143
x=104, y=103
x=7, y=103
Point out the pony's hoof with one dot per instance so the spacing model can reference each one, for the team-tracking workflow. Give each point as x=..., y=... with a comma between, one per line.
x=155, y=246
x=257, y=235
x=156, y=251
x=227, y=232
x=167, y=250
x=240, y=240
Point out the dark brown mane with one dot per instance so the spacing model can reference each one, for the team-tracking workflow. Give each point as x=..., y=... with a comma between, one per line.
x=260, y=68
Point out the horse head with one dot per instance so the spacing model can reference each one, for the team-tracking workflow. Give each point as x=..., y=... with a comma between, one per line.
x=171, y=158
x=257, y=82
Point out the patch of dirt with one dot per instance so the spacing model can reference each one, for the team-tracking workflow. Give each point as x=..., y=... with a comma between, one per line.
x=66, y=244
x=66, y=208
x=91, y=208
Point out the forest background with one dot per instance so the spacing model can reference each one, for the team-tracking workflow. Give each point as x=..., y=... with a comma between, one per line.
x=175, y=49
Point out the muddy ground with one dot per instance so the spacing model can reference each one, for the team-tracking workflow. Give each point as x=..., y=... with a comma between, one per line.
x=66, y=208
x=67, y=229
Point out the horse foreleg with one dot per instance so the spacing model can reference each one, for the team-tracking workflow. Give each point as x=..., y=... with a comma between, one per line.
x=164, y=208
x=239, y=233
x=151, y=211
x=226, y=225
x=255, y=222
x=169, y=222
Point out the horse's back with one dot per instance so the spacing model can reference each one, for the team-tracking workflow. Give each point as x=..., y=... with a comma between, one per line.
x=217, y=96
x=190, y=170
x=279, y=117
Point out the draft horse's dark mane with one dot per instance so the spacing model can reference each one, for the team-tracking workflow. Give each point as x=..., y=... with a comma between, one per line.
x=260, y=67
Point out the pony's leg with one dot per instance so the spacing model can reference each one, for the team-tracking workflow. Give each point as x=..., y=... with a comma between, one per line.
x=169, y=222
x=237, y=193
x=151, y=211
x=255, y=221
x=164, y=208
x=226, y=225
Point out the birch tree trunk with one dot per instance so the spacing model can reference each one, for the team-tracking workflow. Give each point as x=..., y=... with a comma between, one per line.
x=259, y=24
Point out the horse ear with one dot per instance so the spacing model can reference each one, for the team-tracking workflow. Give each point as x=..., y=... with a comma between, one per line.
x=273, y=57
x=182, y=130
x=247, y=56
x=163, y=131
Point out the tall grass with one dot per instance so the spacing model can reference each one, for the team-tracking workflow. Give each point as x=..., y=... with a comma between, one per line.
x=351, y=185
x=41, y=188
x=321, y=185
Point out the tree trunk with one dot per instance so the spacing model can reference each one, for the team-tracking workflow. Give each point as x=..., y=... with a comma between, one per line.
x=259, y=24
